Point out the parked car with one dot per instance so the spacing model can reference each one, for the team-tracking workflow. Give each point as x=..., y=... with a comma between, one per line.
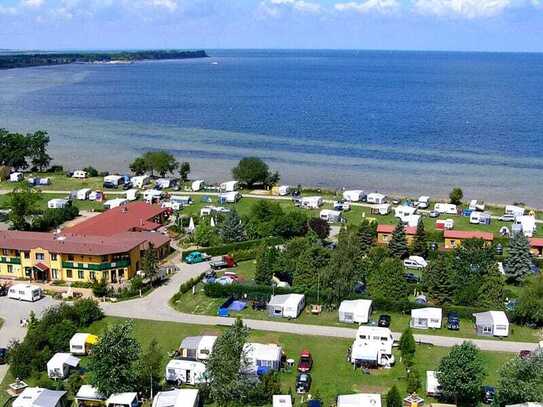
x=196, y=257
x=415, y=262
x=221, y=262
x=209, y=277
x=384, y=321
x=303, y=383
x=453, y=321
x=525, y=354
x=306, y=362
x=434, y=214
x=224, y=280
x=488, y=394
x=411, y=278
x=359, y=287
x=507, y=218
x=3, y=356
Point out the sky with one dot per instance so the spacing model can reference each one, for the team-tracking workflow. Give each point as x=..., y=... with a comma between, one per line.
x=457, y=25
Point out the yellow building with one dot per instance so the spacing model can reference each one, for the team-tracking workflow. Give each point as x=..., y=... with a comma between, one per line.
x=454, y=238
x=49, y=257
x=384, y=234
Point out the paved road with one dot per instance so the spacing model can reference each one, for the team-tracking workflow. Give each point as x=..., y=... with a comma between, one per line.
x=12, y=312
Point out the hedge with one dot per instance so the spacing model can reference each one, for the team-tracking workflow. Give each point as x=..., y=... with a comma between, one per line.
x=247, y=248
x=187, y=286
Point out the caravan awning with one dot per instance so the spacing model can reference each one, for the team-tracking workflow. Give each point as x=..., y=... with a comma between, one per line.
x=41, y=267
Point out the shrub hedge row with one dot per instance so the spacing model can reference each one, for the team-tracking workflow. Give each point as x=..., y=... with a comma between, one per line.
x=246, y=248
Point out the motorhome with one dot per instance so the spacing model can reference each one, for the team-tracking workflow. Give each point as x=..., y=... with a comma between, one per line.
x=373, y=345
x=25, y=292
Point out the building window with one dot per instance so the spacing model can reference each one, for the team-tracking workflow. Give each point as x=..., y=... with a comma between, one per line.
x=53, y=257
x=27, y=255
x=10, y=268
x=5, y=252
x=71, y=257
x=92, y=275
x=54, y=274
x=40, y=256
x=68, y=273
x=105, y=259
x=28, y=271
x=81, y=274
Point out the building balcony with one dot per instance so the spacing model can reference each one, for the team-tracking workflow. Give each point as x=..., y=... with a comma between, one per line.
x=96, y=266
x=10, y=260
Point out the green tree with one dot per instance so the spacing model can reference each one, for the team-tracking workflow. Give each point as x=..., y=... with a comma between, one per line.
x=161, y=162
x=439, y=280
x=149, y=369
x=367, y=233
x=205, y=235
x=394, y=398
x=111, y=365
x=519, y=262
x=407, y=347
x=37, y=150
x=228, y=383
x=387, y=282
x=520, y=380
x=420, y=244
x=456, y=195
x=252, y=170
x=491, y=292
x=309, y=267
x=461, y=374
x=149, y=262
x=184, y=171
x=320, y=227
x=413, y=380
x=23, y=204
x=100, y=288
x=139, y=166
x=398, y=243
x=267, y=264
x=231, y=228
x=530, y=306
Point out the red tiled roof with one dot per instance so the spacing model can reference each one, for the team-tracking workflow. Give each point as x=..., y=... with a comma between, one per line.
x=75, y=244
x=381, y=228
x=41, y=267
x=467, y=234
x=134, y=216
x=536, y=242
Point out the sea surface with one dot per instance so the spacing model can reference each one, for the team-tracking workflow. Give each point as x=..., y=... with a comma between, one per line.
x=397, y=122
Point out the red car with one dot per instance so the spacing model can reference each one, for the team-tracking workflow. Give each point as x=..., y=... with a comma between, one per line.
x=525, y=354
x=306, y=362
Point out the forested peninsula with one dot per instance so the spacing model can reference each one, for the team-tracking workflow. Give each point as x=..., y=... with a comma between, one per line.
x=23, y=60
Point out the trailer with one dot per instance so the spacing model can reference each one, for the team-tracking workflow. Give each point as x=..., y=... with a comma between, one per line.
x=230, y=197
x=331, y=216
x=113, y=181
x=376, y=198
x=229, y=186
x=311, y=202
x=140, y=181
x=185, y=371
x=514, y=210
x=79, y=174
x=16, y=177
x=152, y=195
x=132, y=194
x=114, y=203
x=355, y=195
x=449, y=209
x=198, y=185
x=57, y=203
x=221, y=262
x=83, y=194
x=481, y=218
x=25, y=292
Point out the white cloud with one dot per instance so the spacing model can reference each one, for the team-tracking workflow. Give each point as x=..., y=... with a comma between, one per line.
x=463, y=8
x=370, y=6
x=274, y=8
x=8, y=11
x=32, y=3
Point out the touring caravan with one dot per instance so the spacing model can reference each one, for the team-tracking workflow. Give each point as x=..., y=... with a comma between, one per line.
x=140, y=181
x=424, y=318
x=433, y=388
x=132, y=194
x=403, y=212
x=359, y=400
x=57, y=203
x=229, y=186
x=197, y=347
x=164, y=183
x=476, y=205
x=423, y=202
x=355, y=195
x=376, y=198
x=482, y=218
x=514, y=210
x=83, y=194
x=113, y=181
x=355, y=311
x=82, y=343
x=58, y=367
x=80, y=174
x=230, y=197
x=525, y=224
x=177, y=398
x=312, y=202
x=449, y=209
x=262, y=358
x=331, y=216
x=152, y=195
x=198, y=185
x=491, y=323
x=114, y=203
x=16, y=177
x=25, y=292
x=185, y=371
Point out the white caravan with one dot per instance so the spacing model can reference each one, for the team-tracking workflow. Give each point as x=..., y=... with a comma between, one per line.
x=25, y=292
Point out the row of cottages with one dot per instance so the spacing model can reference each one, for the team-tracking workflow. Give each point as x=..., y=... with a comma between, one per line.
x=453, y=238
x=108, y=246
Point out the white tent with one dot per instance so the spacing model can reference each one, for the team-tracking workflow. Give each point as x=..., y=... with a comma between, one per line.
x=282, y=400
x=123, y=400
x=38, y=397
x=359, y=400
x=355, y=311
x=262, y=356
x=60, y=364
x=354, y=195
x=424, y=318
x=286, y=305
x=191, y=225
x=491, y=323
x=433, y=387
x=177, y=398
x=185, y=371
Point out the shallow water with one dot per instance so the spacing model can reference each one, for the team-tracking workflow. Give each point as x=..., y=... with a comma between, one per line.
x=406, y=122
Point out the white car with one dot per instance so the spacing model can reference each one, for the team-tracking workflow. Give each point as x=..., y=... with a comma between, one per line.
x=507, y=218
x=415, y=262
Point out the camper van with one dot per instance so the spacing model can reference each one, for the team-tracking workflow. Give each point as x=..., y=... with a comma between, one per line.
x=449, y=209
x=25, y=292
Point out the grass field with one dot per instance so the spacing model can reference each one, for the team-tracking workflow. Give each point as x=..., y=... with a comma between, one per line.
x=332, y=375
x=45, y=197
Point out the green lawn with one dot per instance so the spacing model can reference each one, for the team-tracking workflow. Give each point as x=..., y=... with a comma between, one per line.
x=45, y=197
x=60, y=182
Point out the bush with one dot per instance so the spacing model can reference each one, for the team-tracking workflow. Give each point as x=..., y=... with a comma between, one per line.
x=239, y=247
x=100, y=288
x=91, y=171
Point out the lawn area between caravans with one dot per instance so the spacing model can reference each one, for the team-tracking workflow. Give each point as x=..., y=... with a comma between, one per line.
x=332, y=374
x=45, y=197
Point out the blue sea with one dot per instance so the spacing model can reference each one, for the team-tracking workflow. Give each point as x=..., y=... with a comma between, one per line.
x=397, y=122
